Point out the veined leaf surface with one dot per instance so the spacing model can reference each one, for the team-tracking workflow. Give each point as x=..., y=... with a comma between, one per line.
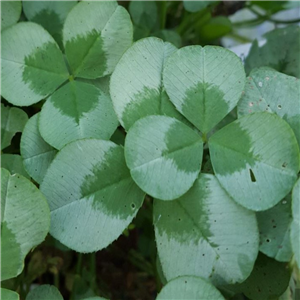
x=77, y=110
x=14, y=164
x=251, y=155
x=32, y=65
x=162, y=164
x=189, y=287
x=37, y=154
x=275, y=92
x=136, y=84
x=206, y=233
x=91, y=195
x=25, y=219
x=95, y=36
x=204, y=84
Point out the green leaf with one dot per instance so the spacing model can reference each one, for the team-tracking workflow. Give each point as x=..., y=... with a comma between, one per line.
x=91, y=195
x=25, y=221
x=162, y=164
x=252, y=154
x=194, y=6
x=144, y=14
x=95, y=36
x=44, y=291
x=136, y=85
x=37, y=154
x=13, y=120
x=50, y=14
x=271, y=91
x=32, y=64
x=204, y=84
x=295, y=226
x=8, y=294
x=268, y=280
x=274, y=229
x=10, y=13
x=77, y=110
x=280, y=51
x=188, y=288
x=14, y=164
x=206, y=233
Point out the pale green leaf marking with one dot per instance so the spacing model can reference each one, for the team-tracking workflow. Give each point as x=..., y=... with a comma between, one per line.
x=10, y=13
x=14, y=164
x=274, y=230
x=204, y=84
x=91, y=195
x=46, y=292
x=162, y=164
x=188, y=288
x=280, y=52
x=37, y=154
x=253, y=153
x=295, y=226
x=13, y=120
x=268, y=280
x=50, y=14
x=194, y=6
x=8, y=294
x=206, y=233
x=25, y=219
x=32, y=64
x=271, y=91
x=77, y=110
x=95, y=36
x=136, y=84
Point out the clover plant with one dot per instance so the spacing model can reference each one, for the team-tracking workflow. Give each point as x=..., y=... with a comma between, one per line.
x=224, y=189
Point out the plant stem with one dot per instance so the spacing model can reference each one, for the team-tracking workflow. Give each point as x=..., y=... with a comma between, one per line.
x=79, y=264
x=163, y=14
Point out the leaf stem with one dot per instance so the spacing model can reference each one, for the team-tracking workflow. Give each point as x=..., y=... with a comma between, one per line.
x=163, y=14
x=79, y=264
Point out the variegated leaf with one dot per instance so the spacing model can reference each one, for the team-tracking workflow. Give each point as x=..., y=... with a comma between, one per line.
x=206, y=233
x=204, y=84
x=77, y=110
x=91, y=195
x=31, y=63
x=295, y=226
x=10, y=13
x=25, y=220
x=161, y=164
x=95, y=36
x=251, y=155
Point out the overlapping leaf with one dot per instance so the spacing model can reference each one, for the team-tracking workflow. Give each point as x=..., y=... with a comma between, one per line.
x=251, y=155
x=295, y=226
x=77, y=110
x=37, y=154
x=25, y=221
x=9, y=295
x=272, y=91
x=163, y=165
x=14, y=164
x=44, y=291
x=206, y=233
x=95, y=36
x=281, y=51
x=50, y=14
x=31, y=63
x=10, y=13
x=204, y=84
x=91, y=195
x=13, y=120
x=189, y=287
x=274, y=229
x=136, y=84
